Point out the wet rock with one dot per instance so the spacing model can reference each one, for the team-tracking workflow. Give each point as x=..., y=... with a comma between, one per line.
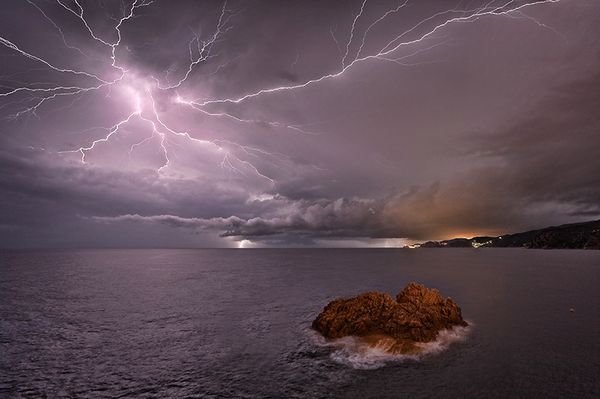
x=415, y=316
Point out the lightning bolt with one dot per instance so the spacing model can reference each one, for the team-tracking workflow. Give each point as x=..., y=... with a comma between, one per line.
x=203, y=48
x=275, y=124
x=236, y=158
x=227, y=157
x=79, y=13
x=7, y=43
x=58, y=28
x=113, y=130
x=377, y=21
x=502, y=10
x=158, y=126
x=356, y=18
x=62, y=91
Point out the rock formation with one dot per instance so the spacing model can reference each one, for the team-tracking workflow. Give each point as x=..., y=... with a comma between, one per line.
x=416, y=316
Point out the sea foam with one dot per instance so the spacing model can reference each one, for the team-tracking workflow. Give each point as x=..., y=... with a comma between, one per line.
x=356, y=353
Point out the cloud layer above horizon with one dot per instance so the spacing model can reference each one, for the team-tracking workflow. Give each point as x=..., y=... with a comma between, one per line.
x=266, y=123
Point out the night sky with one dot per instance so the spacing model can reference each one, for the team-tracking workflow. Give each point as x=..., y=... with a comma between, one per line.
x=295, y=123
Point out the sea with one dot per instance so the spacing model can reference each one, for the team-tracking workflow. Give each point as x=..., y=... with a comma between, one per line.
x=236, y=323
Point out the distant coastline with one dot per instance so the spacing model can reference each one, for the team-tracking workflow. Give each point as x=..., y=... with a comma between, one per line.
x=584, y=235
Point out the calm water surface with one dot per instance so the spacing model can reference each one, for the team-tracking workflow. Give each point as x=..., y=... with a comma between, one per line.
x=236, y=323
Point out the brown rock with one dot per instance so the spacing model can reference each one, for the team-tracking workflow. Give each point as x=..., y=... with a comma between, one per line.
x=416, y=315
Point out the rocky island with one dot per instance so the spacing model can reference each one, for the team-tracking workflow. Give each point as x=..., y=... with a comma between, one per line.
x=398, y=325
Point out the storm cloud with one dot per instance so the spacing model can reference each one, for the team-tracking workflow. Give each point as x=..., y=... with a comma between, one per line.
x=283, y=131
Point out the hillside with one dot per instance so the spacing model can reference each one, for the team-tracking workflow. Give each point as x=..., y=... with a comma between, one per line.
x=584, y=235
